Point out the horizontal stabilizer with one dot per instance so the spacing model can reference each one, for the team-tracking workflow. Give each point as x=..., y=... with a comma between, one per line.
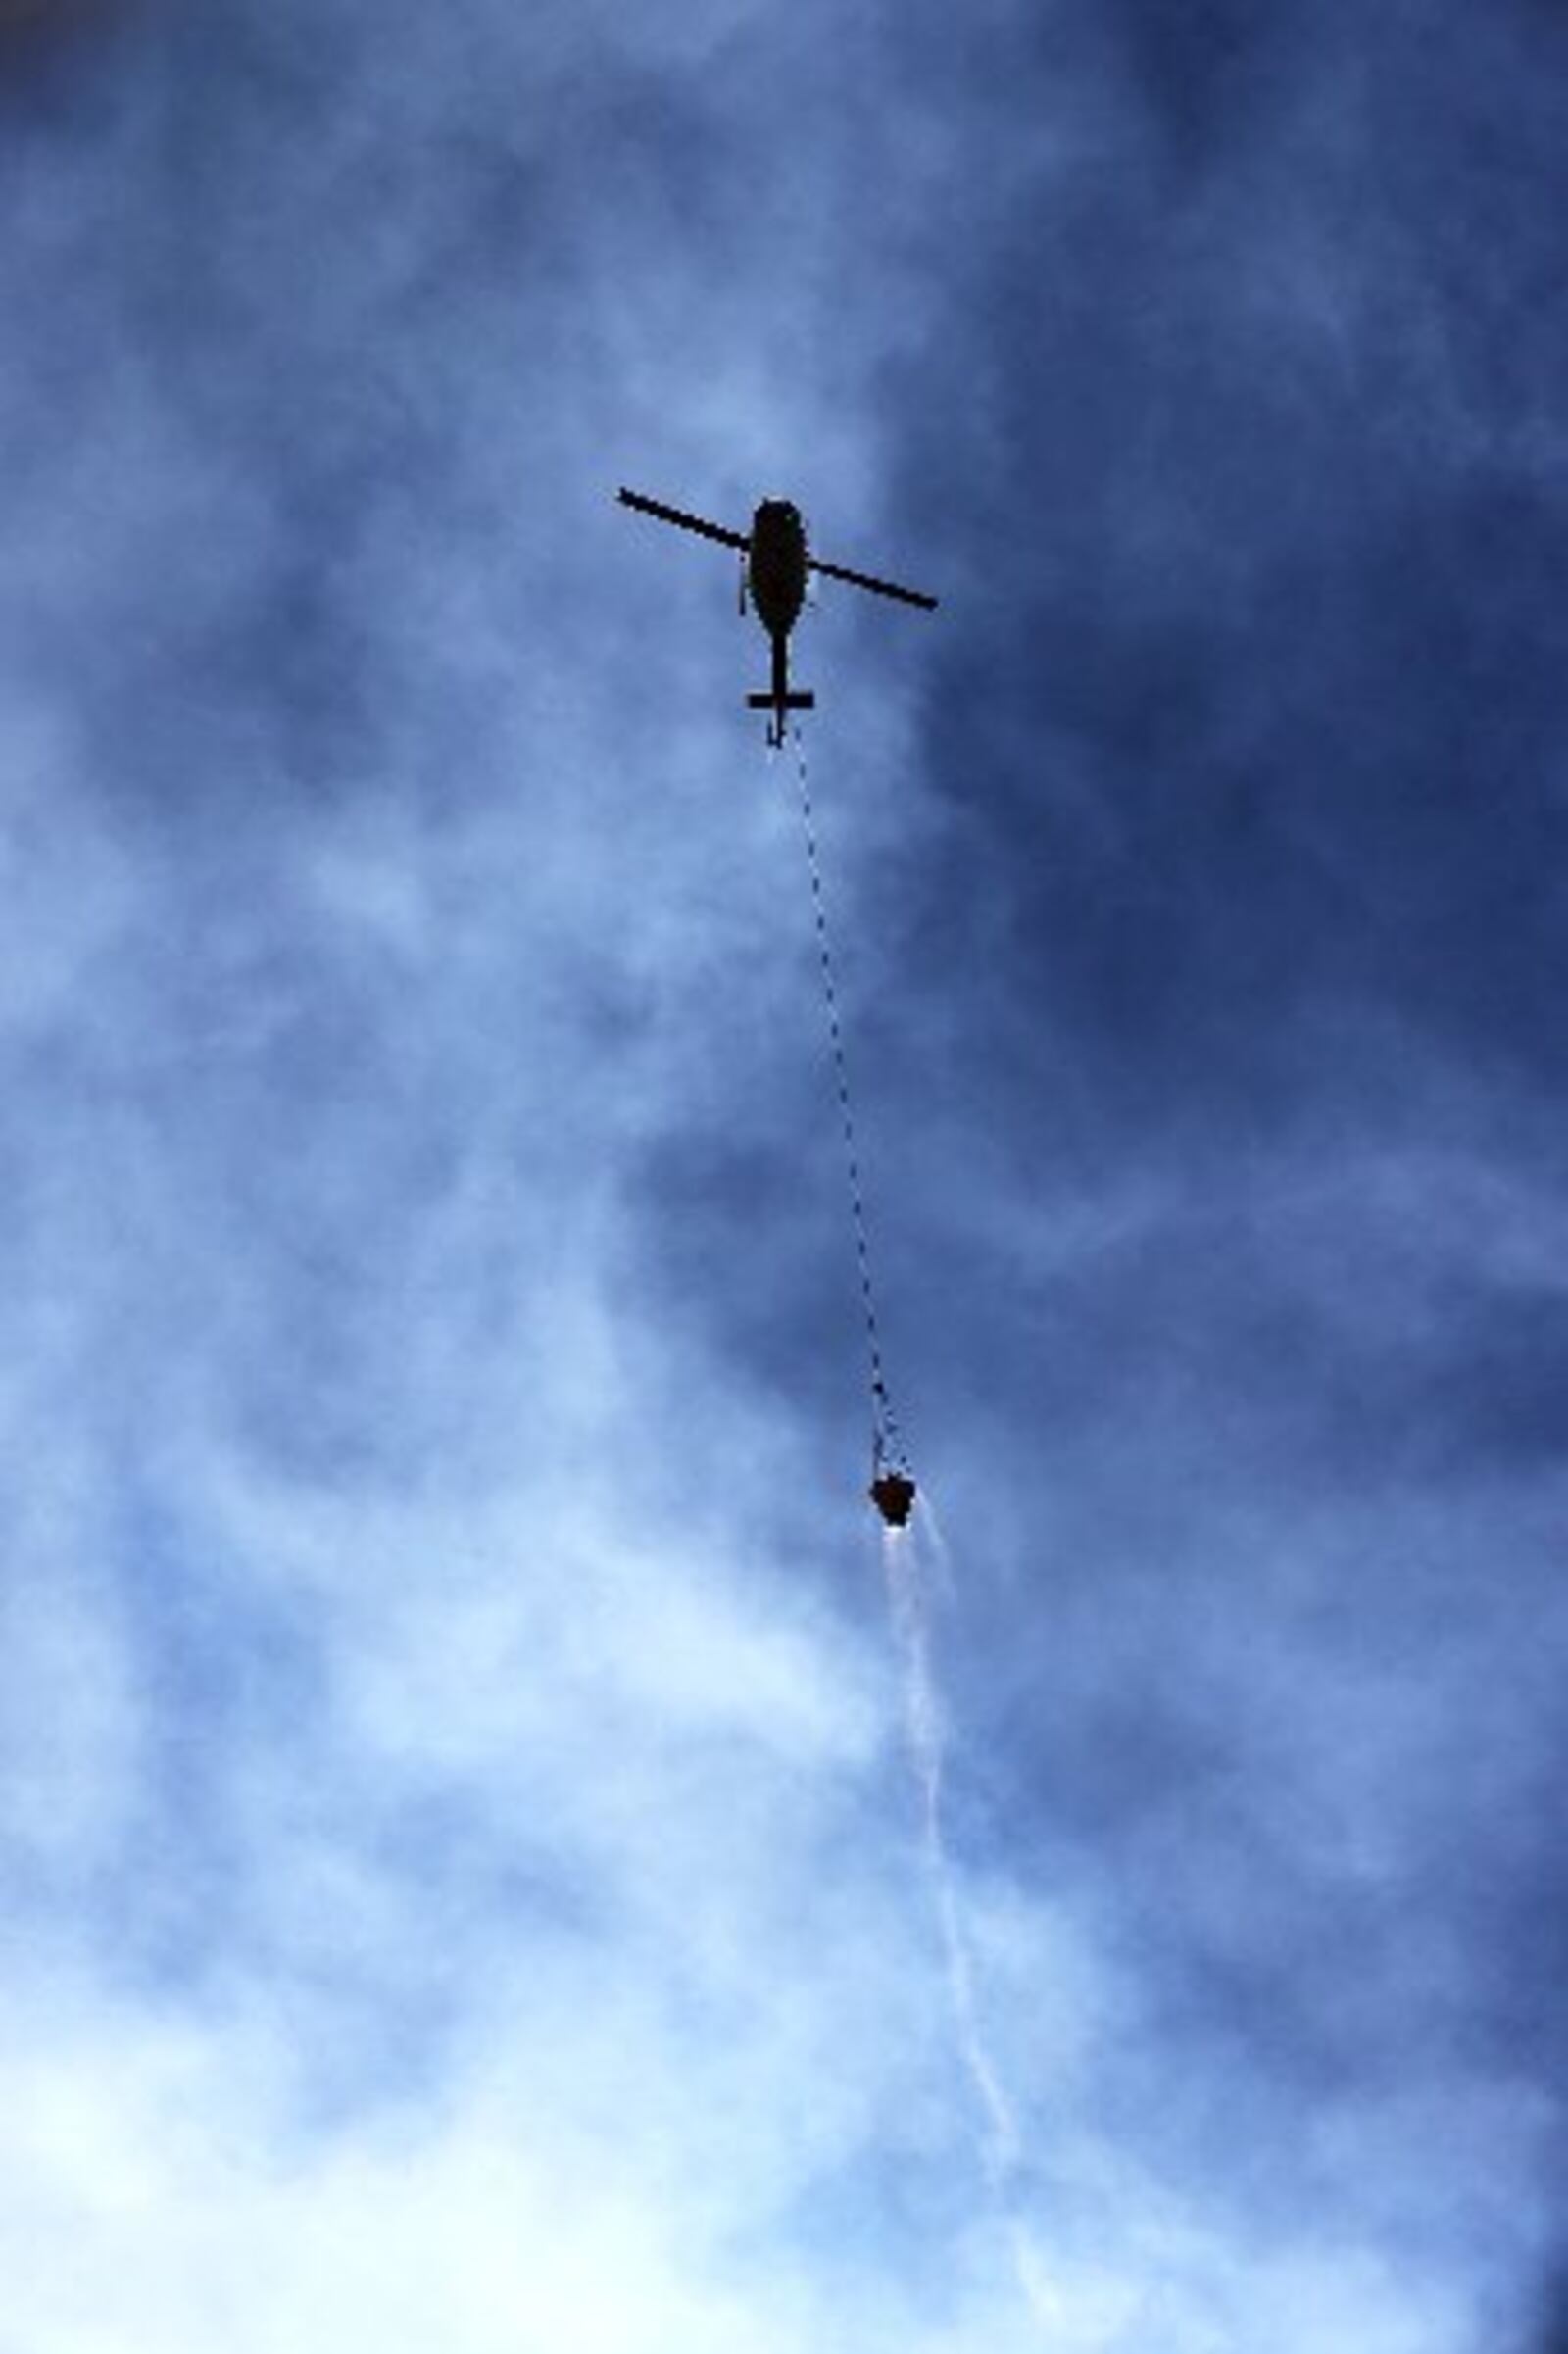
x=798, y=699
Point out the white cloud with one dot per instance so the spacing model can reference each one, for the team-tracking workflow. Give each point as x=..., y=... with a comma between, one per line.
x=462, y=1891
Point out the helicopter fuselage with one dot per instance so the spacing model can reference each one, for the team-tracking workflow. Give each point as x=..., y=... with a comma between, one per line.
x=775, y=565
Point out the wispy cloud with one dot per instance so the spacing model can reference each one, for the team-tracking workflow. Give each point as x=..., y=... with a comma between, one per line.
x=461, y=1881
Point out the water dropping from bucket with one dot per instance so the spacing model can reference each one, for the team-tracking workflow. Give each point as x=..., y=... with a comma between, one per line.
x=893, y=1494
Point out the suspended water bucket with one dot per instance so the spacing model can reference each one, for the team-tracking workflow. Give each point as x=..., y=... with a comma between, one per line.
x=893, y=1494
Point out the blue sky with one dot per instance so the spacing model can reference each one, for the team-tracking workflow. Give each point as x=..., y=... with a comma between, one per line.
x=462, y=1874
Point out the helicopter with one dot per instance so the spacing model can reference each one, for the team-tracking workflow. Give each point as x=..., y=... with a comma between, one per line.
x=775, y=564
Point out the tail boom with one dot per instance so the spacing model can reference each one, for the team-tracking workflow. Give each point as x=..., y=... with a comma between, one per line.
x=781, y=698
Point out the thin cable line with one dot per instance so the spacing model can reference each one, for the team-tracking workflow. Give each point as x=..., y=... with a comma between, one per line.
x=884, y=1428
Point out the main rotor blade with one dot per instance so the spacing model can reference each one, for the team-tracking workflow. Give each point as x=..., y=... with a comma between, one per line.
x=687, y=522
x=883, y=588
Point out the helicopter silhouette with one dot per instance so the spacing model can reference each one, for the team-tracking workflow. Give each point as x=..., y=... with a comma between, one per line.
x=776, y=562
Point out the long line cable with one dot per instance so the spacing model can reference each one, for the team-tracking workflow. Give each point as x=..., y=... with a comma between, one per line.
x=886, y=1447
